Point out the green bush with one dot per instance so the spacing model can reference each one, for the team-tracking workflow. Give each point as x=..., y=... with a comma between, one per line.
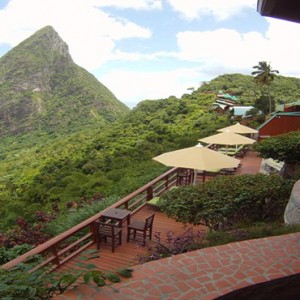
x=73, y=217
x=20, y=283
x=255, y=231
x=227, y=200
x=180, y=203
x=8, y=254
x=284, y=147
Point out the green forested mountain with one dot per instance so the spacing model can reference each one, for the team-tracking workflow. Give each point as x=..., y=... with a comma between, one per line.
x=41, y=88
x=283, y=89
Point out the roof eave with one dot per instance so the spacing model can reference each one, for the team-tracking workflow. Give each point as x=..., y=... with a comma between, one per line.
x=281, y=9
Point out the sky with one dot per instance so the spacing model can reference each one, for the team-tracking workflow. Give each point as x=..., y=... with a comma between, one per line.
x=153, y=49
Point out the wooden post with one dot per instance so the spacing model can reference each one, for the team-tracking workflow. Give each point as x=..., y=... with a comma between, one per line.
x=55, y=253
x=167, y=183
x=149, y=193
x=93, y=229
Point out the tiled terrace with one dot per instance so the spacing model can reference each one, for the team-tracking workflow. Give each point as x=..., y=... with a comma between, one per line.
x=202, y=274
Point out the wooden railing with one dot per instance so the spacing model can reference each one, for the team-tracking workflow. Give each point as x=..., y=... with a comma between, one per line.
x=63, y=247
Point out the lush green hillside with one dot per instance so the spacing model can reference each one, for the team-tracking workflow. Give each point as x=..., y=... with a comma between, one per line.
x=41, y=88
x=283, y=89
x=37, y=171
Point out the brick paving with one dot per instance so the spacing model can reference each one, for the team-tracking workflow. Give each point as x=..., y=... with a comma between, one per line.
x=203, y=274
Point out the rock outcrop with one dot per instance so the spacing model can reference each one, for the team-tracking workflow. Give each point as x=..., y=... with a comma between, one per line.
x=292, y=210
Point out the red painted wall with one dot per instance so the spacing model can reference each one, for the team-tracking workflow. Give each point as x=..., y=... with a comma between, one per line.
x=279, y=125
x=292, y=108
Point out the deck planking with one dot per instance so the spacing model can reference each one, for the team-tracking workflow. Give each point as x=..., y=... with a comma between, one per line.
x=127, y=254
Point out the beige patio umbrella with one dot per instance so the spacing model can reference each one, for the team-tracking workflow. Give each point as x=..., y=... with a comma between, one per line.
x=227, y=138
x=197, y=158
x=238, y=128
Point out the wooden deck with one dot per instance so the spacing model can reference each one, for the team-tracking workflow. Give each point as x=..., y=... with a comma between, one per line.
x=126, y=255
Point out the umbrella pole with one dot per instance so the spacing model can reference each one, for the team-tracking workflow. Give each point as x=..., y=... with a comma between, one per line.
x=195, y=176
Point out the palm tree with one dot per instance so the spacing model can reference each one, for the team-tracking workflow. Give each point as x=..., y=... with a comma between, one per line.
x=264, y=76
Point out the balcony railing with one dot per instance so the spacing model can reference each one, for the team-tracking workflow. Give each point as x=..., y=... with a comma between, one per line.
x=68, y=244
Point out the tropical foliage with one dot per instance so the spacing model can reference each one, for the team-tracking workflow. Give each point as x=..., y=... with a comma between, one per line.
x=229, y=200
x=284, y=89
x=21, y=283
x=161, y=247
x=264, y=76
x=284, y=147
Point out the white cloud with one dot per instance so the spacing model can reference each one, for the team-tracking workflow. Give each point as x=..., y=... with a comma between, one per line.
x=222, y=48
x=137, y=56
x=134, y=4
x=133, y=86
x=219, y=9
x=227, y=50
x=284, y=46
x=89, y=32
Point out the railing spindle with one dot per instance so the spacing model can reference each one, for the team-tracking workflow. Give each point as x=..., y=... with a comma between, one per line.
x=149, y=193
x=55, y=253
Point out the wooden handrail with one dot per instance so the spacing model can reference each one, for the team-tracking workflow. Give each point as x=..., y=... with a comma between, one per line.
x=165, y=181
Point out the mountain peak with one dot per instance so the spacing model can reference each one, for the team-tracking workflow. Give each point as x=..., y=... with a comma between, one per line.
x=38, y=54
x=41, y=87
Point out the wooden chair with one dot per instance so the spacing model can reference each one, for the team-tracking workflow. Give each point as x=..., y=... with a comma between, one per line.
x=107, y=230
x=141, y=229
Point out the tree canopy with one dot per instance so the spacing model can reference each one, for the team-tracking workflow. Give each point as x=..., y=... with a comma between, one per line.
x=264, y=76
x=284, y=147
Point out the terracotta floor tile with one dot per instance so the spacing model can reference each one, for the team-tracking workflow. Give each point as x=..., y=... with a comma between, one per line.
x=220, y=284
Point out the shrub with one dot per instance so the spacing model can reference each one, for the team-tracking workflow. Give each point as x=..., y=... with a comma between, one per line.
x=8, y=254
x=227, y=200
x=20, y=283
x=187, y=241
x=75, y=216
x=179, y=203
x=24, y=233
x=284, y=147
x=255, y=231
